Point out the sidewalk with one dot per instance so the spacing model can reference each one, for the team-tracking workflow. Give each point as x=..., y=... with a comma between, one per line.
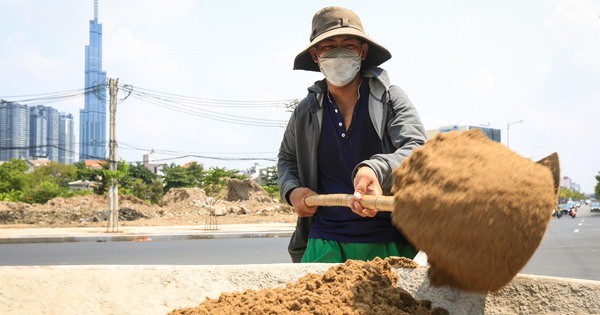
x=143, y=233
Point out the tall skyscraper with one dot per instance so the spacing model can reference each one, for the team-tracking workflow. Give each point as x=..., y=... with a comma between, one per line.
x=14, y=131
x=38, y=132
x=66, y=139
x=92, y=119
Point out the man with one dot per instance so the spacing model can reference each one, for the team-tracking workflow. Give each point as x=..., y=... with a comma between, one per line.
x=347, y=136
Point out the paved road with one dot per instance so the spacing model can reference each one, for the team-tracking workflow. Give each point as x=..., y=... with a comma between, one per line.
x=177, y=252
x=569, y=249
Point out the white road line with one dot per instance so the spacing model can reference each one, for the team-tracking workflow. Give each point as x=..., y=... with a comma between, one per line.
x=576, y=231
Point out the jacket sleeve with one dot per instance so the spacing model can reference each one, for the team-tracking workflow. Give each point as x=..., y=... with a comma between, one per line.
x=288, y=179
x=287, y=161
x=404, y=131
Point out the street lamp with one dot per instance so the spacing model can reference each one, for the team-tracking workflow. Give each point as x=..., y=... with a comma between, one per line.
x=508, y=131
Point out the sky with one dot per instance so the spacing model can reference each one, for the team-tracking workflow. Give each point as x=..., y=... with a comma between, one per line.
x=530, y=68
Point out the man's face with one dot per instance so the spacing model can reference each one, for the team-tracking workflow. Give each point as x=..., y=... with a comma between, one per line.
x=351, y=43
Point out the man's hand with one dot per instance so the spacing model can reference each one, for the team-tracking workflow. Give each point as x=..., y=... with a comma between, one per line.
x=297, y=200
x=365, y=183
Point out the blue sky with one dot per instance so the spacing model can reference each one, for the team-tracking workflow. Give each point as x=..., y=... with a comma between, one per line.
x=461, y=62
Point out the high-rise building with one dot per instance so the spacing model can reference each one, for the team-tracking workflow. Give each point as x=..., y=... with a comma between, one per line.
x=32, y=132
x=66, y=139
x=92, y=119
x=14, y=131
x=38, y=132
x=52, y=117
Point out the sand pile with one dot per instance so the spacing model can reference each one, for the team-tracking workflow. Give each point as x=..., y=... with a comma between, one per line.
x=478, y=209
x=356, y=287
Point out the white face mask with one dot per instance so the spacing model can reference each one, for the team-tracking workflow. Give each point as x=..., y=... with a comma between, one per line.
x=339, y=66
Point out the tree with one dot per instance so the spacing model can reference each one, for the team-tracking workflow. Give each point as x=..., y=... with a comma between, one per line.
x=196, y=171
x=13, y=177
x=57, y=173
x=176, y=177
x=139, y=171
x=214, y=178
x=85, y=173
x=156, y=191
x=43, y=192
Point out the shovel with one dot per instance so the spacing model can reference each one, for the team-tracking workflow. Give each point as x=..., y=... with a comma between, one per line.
x=478, y=213
x=386, y=203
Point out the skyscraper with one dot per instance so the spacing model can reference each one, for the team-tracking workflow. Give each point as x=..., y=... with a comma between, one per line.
x=38, y=132
x=92, y=119
x=14, y=131
x=66, y=139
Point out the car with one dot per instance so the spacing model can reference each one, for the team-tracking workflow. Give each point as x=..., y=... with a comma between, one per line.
x=595, y=206
x=565, y=208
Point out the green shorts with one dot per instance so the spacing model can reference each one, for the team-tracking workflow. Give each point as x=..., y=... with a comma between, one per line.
x=324, y=251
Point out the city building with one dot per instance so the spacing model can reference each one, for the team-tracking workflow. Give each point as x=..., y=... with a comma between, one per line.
x=38, y=132
x=35, y=132
x=92, y=118
x=14, y=131
x=149, y=162
x=492, y=133
x=66, y=139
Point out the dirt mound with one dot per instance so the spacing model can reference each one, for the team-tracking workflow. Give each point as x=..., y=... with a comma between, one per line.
x=183, y=195
x=478, y=209
x=246, y=190
x=356, y=287
x=241, y=202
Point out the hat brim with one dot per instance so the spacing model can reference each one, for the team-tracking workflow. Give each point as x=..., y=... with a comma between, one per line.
x=376, y=56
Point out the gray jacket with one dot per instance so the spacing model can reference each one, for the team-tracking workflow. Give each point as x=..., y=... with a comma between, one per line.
x=394, y=117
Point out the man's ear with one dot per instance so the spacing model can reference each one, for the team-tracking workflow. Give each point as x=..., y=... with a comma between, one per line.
x=313, y=54
x=365, y=51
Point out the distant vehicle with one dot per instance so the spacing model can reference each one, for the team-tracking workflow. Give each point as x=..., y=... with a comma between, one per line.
x=565, y=208
x=595, y=206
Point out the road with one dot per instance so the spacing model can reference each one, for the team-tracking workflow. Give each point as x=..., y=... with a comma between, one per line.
x=569, y=249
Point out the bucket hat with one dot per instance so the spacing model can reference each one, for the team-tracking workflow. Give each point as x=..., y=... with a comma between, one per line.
x=333, y=21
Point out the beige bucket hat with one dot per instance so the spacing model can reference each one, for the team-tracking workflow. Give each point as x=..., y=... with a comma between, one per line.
x=333, y=21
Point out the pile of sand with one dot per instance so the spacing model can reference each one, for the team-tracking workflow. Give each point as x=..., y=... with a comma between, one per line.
x=478, y=209
x=356, y=287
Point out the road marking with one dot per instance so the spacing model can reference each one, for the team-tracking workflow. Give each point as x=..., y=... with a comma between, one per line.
x=576, y=231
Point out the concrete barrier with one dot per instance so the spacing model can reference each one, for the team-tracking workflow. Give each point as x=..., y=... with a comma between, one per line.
x=110, y=289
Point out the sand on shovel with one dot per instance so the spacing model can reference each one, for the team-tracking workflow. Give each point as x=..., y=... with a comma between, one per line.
x=478, y=209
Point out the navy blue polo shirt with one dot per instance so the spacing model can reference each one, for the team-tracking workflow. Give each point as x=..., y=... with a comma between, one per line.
x=340, y=150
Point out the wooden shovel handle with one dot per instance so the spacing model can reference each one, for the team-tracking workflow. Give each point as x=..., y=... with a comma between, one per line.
x=381, y=203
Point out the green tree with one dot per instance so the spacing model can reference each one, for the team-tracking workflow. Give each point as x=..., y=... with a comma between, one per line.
x=13, y=177
x=90, y=174
x=269, y=180
x=124, y=181
x=565, y=194
x=196, y=171
x=214, y=179
x=139, y=171
x=156, y=191
x=176, y=177
x=140, y=189
x=44, y=191
x=57, y=173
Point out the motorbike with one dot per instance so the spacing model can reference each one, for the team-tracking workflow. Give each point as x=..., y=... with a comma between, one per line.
x=557, y=214
x=572, y=213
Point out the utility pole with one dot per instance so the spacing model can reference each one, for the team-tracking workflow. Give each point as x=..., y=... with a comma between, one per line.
x=113, y=191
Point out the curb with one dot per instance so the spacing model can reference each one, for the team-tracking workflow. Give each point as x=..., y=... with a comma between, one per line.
x=141, y=237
